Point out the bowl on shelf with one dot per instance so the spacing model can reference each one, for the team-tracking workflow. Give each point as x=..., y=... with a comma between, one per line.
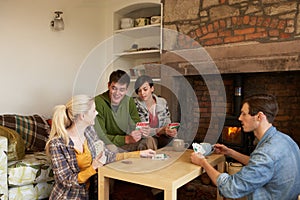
x=155, y=19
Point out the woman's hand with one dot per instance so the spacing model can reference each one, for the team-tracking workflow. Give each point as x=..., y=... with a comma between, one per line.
x=96, y=162
x=171, y=132
x=149, y=153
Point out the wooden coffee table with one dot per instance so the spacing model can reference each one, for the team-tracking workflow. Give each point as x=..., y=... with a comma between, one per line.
x=167, y=175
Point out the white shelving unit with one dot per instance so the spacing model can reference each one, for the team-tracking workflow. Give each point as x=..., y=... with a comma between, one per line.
x=147, y=39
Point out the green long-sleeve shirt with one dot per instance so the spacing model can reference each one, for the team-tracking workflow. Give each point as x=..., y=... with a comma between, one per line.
x=113, y=125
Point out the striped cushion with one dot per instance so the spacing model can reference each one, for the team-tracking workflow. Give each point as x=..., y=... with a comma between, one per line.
x=33, y=129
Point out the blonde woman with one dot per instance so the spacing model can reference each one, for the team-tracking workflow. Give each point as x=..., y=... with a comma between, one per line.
x=72, y=149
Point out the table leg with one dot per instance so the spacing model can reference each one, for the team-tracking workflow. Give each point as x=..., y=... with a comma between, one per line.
x=103, y=185
x=170, y=194
x=220, y=168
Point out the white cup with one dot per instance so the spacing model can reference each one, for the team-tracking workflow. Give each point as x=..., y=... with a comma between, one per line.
x=127, y=23
x=208, y=148
x=179, y=145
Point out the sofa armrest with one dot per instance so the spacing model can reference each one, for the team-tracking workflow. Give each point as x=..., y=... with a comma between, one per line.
x=3, y=168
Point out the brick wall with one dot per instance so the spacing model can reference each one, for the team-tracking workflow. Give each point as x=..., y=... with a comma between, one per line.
x=214, y=22
x=282, y=85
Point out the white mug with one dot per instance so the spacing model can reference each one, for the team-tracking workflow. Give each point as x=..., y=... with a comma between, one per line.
x=179, y=145
x=127, y=23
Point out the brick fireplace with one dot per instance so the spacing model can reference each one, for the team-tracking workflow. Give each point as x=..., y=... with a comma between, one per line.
x=281, y=84
x=257, y=41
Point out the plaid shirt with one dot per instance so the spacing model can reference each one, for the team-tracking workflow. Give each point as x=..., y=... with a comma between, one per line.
x=66, y=169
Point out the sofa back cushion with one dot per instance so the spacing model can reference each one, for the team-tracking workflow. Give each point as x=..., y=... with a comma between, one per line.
x=33, y=129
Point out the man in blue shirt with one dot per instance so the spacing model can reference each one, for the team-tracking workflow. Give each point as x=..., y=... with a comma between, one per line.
x=272, y=171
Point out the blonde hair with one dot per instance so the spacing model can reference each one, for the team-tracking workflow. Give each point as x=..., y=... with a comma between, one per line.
x=65, y=115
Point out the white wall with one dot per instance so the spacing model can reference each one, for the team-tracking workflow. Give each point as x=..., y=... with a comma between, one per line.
x=39, y=66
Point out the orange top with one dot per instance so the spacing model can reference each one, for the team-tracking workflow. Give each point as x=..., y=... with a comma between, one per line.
x=84, y=160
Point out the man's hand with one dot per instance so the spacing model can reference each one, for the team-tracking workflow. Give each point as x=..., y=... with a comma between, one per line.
x=134, y=137
x=145, y=131
x=221, y=149
x=197, y=158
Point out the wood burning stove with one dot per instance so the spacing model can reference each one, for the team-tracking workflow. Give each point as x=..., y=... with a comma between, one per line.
x=234, y=137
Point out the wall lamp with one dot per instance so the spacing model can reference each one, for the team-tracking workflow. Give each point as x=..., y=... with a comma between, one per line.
x=57, y=23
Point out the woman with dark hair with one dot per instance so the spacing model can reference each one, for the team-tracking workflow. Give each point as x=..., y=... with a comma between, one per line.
x=153, y=109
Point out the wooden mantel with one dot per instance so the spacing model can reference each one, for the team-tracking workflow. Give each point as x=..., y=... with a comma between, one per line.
x=238, y=58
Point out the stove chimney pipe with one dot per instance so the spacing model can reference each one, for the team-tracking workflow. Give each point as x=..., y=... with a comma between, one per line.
x=237, y=95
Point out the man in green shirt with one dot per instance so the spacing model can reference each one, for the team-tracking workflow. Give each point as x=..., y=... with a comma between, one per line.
x=117, y=116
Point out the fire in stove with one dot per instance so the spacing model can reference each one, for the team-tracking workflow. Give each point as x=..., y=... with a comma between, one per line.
x=233, y=131
x=232, y=135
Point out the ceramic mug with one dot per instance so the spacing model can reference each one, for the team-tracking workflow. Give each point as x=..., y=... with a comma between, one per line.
x=127, y=23
x=179, y=145
x=208, y=148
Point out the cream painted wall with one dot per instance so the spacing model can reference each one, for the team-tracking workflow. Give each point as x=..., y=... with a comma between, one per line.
x=39, y=66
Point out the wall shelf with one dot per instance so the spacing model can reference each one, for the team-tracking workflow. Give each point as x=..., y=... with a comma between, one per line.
x=134, y=47
x=138, y=30
x=139, y=53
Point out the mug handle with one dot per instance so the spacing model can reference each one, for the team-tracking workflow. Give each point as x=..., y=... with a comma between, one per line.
x=186, y=145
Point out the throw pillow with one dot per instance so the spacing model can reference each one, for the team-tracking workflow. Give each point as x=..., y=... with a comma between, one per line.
x=34, y=129
x=16, y=145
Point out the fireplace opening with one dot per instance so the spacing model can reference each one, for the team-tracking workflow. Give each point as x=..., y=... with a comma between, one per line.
x=232, y=134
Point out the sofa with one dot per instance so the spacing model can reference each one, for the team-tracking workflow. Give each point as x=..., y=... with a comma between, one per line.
x=25, y=170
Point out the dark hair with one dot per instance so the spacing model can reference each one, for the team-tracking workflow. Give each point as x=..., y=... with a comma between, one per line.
x=119, y=76
x=141, y=80
x=265, y=103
